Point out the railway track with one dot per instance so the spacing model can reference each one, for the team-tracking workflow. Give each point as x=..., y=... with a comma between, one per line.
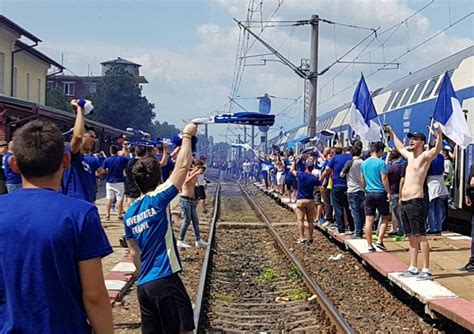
x=247, y=285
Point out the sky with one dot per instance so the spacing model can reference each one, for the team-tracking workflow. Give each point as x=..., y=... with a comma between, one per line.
x=190, y=50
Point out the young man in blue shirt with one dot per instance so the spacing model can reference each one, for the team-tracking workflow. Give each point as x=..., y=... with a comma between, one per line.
x=51, y=278
x=305, y=199
x=377, y=194
x=115, y=167
x=164, y=303
x=76, y=179
x=13, y=179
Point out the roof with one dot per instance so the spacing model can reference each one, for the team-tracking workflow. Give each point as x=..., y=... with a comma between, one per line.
x=37, y=54
x=120, y=61
x=446, y=64
x=15, y=27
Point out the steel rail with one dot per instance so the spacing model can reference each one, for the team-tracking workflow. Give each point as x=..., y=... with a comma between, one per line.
x=205, y=265
x=341, y=324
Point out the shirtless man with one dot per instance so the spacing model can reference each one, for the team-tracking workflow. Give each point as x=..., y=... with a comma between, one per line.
x=412, y=197
x=188, y=204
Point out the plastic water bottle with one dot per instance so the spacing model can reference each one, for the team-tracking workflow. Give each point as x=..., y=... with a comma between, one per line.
x=86, y=105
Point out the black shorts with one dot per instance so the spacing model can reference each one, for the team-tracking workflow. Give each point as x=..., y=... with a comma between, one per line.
x=200, y=192
x=165, y=306
x=412, y=215
x=376, y=201
x=317, y=197
x=291, y=184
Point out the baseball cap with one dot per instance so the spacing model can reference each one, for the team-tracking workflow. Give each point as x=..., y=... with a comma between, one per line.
x=416, y=135
x=3, y=143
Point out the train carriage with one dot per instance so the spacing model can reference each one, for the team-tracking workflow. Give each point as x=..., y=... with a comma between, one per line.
x=408, y=104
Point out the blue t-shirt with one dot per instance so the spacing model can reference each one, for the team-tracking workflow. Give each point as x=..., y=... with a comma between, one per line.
x=44, y=236
x=76, y=179
x=306, y=184
x=288, y=175
x=115, y=166
x=94, y=166
x=10, y=175
x=167, y=169
x=437, y=166
x=371, y=169
x=148, y=221
x=337, y=164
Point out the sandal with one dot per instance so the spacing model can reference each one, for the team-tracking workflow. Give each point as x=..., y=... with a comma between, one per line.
x=301, y=241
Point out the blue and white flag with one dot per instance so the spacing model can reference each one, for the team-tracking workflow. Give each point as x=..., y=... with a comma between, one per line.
x=362, y=114
x=448, y=112
x=244, y=118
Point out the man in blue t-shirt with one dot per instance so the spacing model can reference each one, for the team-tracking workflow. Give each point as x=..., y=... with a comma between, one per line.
x=164, y=303
x=165, y=160
x=96, y=171
x=115, y=166
x=13, y=179
x=51, y=277
x=306, y=182
x=377, y=194
x=76, y=179
x=339, y=189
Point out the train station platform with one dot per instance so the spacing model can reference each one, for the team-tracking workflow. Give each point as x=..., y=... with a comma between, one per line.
x=450, y=293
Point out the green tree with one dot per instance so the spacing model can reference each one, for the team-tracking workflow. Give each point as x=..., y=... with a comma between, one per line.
x=163, y=130
x=56, y=99
x=119, y=102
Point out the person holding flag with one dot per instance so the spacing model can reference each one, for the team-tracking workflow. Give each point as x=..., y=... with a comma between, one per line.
x=362, y=114
x=412, y=194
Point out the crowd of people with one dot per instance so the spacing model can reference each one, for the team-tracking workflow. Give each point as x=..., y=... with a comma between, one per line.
x=402, y=191
x=53, y=240
x=53, y=234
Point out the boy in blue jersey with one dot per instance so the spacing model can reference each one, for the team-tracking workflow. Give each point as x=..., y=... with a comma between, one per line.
x=115, y=166
x=51, y=277
x=164, y=303
x=76, y=179
x=13, y=179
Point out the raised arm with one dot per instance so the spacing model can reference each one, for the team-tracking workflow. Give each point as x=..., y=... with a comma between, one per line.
x=184, y=158
x=79, y=129
x=433, y=152
x=164, y=158
x=293, y=167
x=398, y=144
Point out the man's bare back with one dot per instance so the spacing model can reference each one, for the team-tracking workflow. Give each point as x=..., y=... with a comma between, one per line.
x=189, y=186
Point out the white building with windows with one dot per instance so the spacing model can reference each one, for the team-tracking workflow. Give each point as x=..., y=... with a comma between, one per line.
x=23, y=69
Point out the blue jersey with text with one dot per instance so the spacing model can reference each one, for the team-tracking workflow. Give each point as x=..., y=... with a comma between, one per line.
x=148, y=221
x=115, y=166
x=43, y=237
x=10, y=175
x=76, y=181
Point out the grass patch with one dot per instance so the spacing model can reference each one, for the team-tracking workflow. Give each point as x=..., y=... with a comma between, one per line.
x=299, y=294
x=226, y=298
x=294, y=273
x=268, y=275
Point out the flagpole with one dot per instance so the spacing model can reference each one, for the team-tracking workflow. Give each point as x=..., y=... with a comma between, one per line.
x=381, y=129
x=429, y=131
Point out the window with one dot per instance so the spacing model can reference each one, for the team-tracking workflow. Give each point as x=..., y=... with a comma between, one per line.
x=398, y=99
x=27, y=86
x=429, y=88
x=389, y=102
x=407, y=96
x=2, y=72
x=92, y=87
x=418, y=91
x=69, y=88
x=15, y=75
x=39, y=90
x=450, y=73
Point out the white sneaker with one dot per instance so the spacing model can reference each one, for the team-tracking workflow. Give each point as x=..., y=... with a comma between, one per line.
x=183, y=244
x=201, y=244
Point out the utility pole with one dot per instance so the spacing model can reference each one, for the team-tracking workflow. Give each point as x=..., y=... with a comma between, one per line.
x=313, y=78
x=239, y=149
x=245, y=141
x=206, y=134
x=252, y=139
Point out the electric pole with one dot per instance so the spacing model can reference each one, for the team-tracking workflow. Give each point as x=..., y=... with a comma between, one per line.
x=206, y=134
x=313, y=76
